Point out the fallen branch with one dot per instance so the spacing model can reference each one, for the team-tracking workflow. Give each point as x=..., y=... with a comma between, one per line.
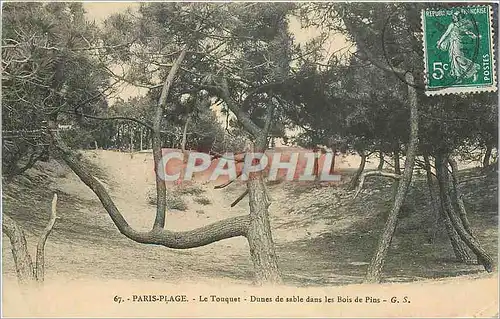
x=373, y=173
x=228, y=182
x=239, y=198
x=214, y=155
x=40, y=248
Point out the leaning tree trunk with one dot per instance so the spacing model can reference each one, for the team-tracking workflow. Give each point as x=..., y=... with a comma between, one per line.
x=457, y=195
x=437, y=212
x=377, y=263
x=444, y=185
x=459, y=247
x=355, y=179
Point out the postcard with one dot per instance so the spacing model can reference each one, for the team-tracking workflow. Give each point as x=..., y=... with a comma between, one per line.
x=249, y=159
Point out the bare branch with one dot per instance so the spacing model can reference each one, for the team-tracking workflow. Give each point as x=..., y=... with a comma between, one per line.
x=239, y=198
x=373, y=173
x=40, y=248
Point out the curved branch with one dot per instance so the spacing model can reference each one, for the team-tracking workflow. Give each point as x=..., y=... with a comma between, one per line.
x=224, y=229
x=40, y=248
x=156, y=141
x=228, y=228
x=373, y=173
x=458, y=195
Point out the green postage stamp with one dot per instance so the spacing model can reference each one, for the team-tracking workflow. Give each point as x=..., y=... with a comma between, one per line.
x=458, y=50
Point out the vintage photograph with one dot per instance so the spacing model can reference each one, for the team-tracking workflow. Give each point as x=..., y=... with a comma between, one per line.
x=249, y=159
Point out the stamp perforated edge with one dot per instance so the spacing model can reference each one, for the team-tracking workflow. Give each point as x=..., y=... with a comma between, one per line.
x=461, y=90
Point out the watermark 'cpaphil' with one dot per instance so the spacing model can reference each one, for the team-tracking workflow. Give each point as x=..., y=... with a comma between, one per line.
x=283, y=166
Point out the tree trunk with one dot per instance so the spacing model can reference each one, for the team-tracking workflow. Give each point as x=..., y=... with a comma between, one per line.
x=22, y=259
x=140, y=144
x=457, y=195
x=469, y=239
x=184, y=134
x=381, y=161
x=259, y=233
x=316, y=164
x=459, y=247
x=487, y=155
x=26, y=272
x=397, y=166
x=117, y=140
x=255, y=226
x=156, y=141
x=40, y=248
x=332, y=165
x=434, y=203
x=131, y=132
x=355, y=179
x=377, y=263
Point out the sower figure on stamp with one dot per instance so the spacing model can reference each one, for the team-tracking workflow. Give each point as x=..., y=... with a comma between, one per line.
x=461, y=67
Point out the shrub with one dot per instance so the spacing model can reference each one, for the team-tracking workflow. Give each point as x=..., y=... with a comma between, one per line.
x=189, y=190
x=202, y=200
x=174, y=201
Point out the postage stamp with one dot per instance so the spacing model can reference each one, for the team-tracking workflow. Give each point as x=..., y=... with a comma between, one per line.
x=458, y=50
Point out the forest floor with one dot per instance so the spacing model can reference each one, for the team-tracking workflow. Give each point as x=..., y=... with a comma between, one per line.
x=323, y=237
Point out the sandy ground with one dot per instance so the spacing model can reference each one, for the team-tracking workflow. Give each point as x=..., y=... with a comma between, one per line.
x=109, y=265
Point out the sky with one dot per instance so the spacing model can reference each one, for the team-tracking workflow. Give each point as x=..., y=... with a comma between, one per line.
x=99, y=11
